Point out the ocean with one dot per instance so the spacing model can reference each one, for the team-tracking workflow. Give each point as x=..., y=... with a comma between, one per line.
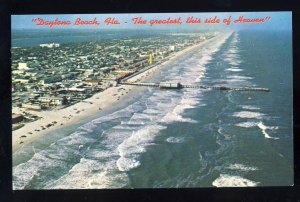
x=185, y=137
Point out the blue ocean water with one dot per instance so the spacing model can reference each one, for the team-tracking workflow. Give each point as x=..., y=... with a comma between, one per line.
x=182, y=138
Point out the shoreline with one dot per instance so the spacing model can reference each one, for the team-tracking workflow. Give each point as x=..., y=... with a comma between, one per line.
x=91, y=106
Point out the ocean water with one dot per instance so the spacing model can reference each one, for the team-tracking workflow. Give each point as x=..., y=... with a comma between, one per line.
x=182, y=138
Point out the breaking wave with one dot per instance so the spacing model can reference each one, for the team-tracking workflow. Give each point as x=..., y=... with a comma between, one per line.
x=241, y=167
x=264, y=131
x=247, y=124
x=249, y=107
x=233, y=181
x=249, y=115
x=134, y=145
x=234, y=69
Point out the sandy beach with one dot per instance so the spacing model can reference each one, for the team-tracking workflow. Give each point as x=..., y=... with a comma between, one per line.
x=91, y=106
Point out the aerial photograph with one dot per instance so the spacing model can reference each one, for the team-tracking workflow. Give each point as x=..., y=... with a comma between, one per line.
x=152, y=100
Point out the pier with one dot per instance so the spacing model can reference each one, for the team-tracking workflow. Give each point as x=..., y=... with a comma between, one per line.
x=178, y=85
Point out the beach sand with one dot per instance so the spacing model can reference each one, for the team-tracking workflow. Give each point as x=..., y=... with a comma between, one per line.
x=91, y=106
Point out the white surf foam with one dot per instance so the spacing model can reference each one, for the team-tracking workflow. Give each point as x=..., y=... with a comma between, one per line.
x=76, y=138
x=239, y=77
x=126, y=112
x=233, y=50
x=176, y=139
x=126, y=164
x=187, y=102
x=263, y=130
x=90, y=174
x=136, y=144
x=173, y=116
x=102, y=154
x=25, y=172
x=226, y=135
x=247, y=124
x=142, y=116
x=248, y=115
x=114, y=137
x=152, y=111
x=109, y=117
x=234, y=70
x=249, y=107
x=233, y=181
x=125, y=126
x=233, y=61
x=259, y=125
x=231, y=57
x=241, y=167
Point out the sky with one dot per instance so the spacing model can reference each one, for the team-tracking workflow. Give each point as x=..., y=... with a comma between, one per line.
x=277, y=20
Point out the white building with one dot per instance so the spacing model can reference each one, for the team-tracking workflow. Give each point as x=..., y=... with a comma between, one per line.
x=22, y=65
x=51, y=100
x=171, y=48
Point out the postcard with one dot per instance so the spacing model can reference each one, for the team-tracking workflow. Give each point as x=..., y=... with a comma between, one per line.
x=152, y=100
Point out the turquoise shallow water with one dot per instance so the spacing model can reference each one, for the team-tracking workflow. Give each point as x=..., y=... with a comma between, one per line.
x=182, y=138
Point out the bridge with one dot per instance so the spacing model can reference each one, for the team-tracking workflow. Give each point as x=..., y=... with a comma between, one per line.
x=178, y=85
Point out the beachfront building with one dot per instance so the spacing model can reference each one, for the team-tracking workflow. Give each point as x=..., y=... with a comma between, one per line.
x=56, y=101
x=22, y=66
x=171, y=48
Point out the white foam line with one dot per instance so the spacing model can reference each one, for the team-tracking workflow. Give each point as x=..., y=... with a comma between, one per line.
x=264, y=128
x=247, y=124
x=89, y=174
x=134, y=145
x=239, y=77
x=241, y=167
x=249, y=107
x=175, y=139
x=234, y=69
x=248, y=114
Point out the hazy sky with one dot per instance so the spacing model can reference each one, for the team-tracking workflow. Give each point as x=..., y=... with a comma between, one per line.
x=278, y=20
